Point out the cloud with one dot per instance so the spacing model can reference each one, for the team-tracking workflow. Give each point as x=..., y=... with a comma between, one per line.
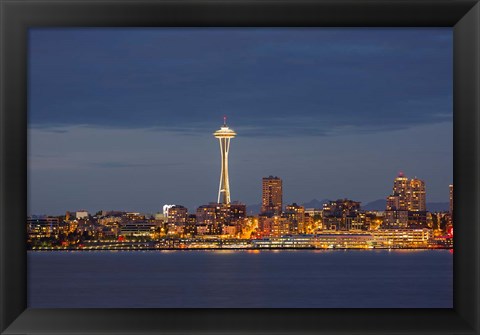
x=265, y=80
x=114, y=165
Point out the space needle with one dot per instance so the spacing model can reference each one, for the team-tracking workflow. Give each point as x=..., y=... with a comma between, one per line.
x=224, y=134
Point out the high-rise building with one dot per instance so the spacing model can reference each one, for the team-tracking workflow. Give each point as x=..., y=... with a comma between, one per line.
x=176, y=219
x=406, y=206
x=272, y=195
x=416, y=196
x=295, y=216
x=393, y=202
x=206, y=214
x=224, y=134
x=400, y=189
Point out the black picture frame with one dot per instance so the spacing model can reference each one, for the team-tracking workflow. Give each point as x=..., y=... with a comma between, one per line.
x=18, y=15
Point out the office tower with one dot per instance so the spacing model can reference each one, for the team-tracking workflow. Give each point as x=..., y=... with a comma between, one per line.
x=406, y=206
x=224, y=134
x=416, y=196
x=400, y=189
x=416, y=203
x=396, y=213
x=272, y=194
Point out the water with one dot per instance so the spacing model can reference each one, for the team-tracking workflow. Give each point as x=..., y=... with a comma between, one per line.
x=265, y=279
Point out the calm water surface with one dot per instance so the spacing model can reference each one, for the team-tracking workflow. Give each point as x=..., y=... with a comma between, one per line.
x=287, y=278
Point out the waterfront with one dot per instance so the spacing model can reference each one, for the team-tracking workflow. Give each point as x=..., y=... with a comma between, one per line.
x=241, y=278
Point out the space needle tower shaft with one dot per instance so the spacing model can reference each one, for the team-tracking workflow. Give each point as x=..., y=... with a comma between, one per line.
x=224, y=135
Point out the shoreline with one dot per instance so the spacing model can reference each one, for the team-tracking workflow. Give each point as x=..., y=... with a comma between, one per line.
x=233, y=249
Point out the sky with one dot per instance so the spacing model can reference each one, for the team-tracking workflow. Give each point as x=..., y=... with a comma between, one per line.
x=122, y=118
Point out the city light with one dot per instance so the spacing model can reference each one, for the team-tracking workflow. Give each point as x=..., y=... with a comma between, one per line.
x=339, y=224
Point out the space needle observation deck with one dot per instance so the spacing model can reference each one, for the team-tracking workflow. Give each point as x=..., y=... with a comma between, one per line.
x=224, y=134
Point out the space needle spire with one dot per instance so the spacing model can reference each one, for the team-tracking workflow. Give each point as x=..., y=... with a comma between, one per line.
x=224, y=134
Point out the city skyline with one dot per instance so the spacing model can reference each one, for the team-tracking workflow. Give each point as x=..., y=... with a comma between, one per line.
x=341, y=223
x=272, y=200
x=82, y=160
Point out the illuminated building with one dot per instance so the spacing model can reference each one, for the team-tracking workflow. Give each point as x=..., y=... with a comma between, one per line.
x=237, y=216
x=159, y=216
x=208, y=217
x=229, y=230
x=396, y=219
x=386, y=238
x=400, y=190
x=308, y=224
x=417, y=204
x=406, y=207
x=396, y=214
x=417, y=219
x=398, y=238
x=360, y=221
x=190, y=228
x=221, y=218
x=295, y=216
x=238, y=212
x=206, y=214
x=272, y=195
x=165, y=209
x=133, y=216
x=313, y=212
x=224, y=134
x=201, y=229
x=416, y=200
x=393, y=203
x=38, y=227
x=343, y=240
x=287, y=241
x=320, y=241
x=109, y=232
x=176, y=219
x=265, y=225
x=177, y=215
x=314, y=218
x=109, y=220
x=138, y=228
x=83, y=214
x=340, y=214
x=275, y=225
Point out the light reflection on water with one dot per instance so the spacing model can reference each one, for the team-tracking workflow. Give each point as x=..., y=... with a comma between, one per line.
x=242, y=278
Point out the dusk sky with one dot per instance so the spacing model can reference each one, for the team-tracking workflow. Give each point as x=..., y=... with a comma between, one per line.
x=122, y=119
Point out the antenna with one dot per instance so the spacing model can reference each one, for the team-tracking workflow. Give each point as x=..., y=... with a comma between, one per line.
x=225, y=120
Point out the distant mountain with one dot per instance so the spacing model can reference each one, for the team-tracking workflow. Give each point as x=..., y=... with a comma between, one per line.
x=315, y=203
x=380, y=204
